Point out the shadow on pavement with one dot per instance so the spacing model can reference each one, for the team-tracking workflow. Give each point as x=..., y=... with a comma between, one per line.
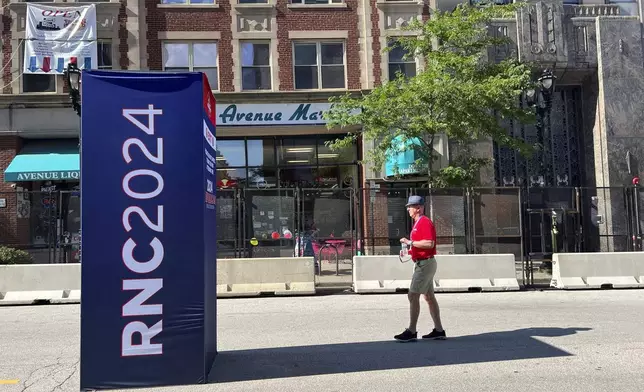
x=268, y=363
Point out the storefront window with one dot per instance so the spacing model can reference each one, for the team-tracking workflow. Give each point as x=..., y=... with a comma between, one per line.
x=300, y=151
x=303, y=177
x=261, y=152
x=231, y=178
x=272, y=218
x=44, y=215
x=262, y=177
x=328, y=176
x=231, y=153
x=327, y=156
x=348, y=176
x=274, y=162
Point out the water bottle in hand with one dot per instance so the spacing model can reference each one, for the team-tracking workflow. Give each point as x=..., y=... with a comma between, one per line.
x=404, y=252
x=403, y=255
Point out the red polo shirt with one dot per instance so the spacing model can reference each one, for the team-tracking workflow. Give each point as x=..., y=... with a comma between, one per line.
x=423, y=230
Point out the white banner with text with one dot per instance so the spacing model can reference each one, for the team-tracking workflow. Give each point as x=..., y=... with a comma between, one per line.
x=52, y=23
x=51, y=57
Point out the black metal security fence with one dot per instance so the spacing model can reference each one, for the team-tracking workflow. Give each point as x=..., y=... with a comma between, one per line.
x=526, y=222
x=288, y=222
x=530, y=223
x=45, y=224
x=338, y=223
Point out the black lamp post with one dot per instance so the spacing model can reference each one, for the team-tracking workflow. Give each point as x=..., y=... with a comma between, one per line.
x=73, y=76
x=541, y=99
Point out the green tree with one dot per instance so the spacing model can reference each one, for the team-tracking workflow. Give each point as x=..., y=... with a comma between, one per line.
x=459, y=94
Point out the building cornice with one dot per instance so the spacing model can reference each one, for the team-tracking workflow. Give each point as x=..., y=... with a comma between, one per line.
x=282, y=96
x=112, y=5
x=45, y=101
x=29, y=101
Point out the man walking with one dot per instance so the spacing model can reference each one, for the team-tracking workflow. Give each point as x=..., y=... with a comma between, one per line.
x=422, y=247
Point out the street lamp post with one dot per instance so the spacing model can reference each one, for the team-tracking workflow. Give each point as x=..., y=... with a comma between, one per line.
x=73, y=76
x=541, y=99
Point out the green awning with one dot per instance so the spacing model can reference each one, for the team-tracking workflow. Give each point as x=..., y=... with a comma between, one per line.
x=51, y=160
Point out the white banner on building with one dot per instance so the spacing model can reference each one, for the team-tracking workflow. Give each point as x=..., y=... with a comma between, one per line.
x=51, y=23
x=51, y=57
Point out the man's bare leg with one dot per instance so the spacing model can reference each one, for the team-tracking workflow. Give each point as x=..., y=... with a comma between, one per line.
x=414, y=310
x=434, y=310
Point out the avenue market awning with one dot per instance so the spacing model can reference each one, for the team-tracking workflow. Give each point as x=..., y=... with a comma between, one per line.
x=52, y=160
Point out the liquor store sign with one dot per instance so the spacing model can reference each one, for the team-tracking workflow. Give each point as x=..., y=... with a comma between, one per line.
x=271, y=114
x=43, y=176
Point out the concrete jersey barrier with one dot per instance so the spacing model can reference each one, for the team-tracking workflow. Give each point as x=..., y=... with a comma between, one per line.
x=61, y=283
x=32, y=283
x=597, y=270
x=278, y=276
x=486, y=272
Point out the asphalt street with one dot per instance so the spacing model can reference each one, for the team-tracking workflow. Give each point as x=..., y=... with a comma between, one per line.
x=528, y=341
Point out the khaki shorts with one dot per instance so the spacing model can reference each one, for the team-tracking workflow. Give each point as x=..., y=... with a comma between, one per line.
x=422, y=281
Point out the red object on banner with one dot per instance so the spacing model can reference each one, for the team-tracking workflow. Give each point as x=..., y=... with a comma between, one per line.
x=275, y=235
x=46, y=64
x=636, y=180
x=209, y=101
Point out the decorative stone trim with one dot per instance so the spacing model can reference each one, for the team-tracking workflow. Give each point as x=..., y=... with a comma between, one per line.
x=190, y=6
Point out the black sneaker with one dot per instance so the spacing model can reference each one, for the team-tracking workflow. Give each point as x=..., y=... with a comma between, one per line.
x=435, y=335
x=407, y=336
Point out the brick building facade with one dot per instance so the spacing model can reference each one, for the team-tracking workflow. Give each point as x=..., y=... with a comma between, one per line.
x=273, y=64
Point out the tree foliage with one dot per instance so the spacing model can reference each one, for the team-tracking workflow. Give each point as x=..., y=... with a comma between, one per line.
x=459, y=94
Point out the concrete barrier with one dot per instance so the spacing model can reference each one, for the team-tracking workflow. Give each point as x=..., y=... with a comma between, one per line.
x=486, y=272
x=61, y=283
x=32, y=283
x=278, y=276
x=597, y=270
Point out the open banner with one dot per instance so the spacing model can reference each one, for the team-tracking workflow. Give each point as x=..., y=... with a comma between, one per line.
x=148, y=218
x=54, y=35
x=52, y=23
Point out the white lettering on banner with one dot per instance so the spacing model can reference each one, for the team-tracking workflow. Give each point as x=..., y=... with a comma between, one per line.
x=136, y=142
x=142, y=172
x=136, y=307
x=208, y=155
x=210, y=138
x=126, y=218
x=142, y=267
x=212, y=141
x=147, y=333
x=59, y=175
x=147, y=286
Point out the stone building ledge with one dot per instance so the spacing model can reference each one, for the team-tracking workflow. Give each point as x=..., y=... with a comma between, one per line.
x=19, y=101
x=199, y=6
x=593, y=10
x=21, y=5
x=317, y=6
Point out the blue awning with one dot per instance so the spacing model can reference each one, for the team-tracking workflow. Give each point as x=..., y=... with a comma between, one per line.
x=51, y=160
x=403, y=159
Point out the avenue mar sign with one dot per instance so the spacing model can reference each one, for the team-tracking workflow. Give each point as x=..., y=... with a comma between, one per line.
x=271, y=114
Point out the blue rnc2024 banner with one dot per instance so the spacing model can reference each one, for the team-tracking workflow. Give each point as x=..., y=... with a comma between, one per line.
x=148, y=308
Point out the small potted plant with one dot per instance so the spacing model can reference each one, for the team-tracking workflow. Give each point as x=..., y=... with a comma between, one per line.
x=9, y=256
